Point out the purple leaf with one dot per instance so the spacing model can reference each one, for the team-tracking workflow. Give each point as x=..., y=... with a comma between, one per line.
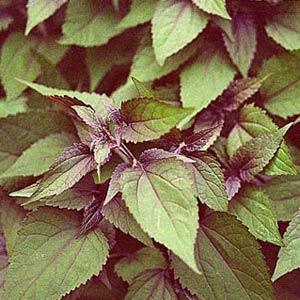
x=232, y=184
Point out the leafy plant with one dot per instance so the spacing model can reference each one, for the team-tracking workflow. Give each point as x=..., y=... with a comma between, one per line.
x=149, y=149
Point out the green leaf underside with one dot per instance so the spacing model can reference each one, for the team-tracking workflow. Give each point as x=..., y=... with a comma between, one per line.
x=148, y=119
x=17, y=60
x=284, y=27
x=216, y=7
x=88, y=24
x=230, y=260
x=211, y=68
x=44, y=152
x=169, y=24
x=254, y=209
x=152, y=284
x=283, y=86
x=40, y=10
x=209, y=181
x=289, y=257
x=252, y=122
x=48, y=260
x=75, y=162
x=160, y=198
x=285, y=195
x=144, y=259
x=118, y=214
x=11, y=216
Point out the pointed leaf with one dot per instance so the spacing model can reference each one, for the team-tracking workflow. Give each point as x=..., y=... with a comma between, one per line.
x=17, y=60
x=230, y=260
x=56, y=261
x=285, y=195
x=88, y=24
x=37, y=159
x=284, y=26
x=142, y=260
x=148, y=119
x=209, y=182
x=160, y=197
x=39, y=11
x=118, y=214
x=254, y=209
x=217, y=7
x=144, y=92
x=211, y=68
x=288, y=257
x=75, y=162
x=169, y=24
x=12, y=107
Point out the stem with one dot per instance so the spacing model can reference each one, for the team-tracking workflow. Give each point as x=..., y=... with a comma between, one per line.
x=123, y=155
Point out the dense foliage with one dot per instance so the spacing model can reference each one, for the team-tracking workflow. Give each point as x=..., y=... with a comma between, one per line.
x=149, y=149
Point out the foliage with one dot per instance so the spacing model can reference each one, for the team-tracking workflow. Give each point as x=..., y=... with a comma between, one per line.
x=149, y=149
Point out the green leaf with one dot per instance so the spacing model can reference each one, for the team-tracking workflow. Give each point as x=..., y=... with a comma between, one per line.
x=5, y=21
x=73, y=164
x=252, y=122
x=21, y=131
x=288, y=257
x=169, y=27
x=211, y=68
x=285, y=195
x=39, y=11
x=216, y=7
x=142, y=260
x=12, y=107
x=254, y=209
x=37, y=159
x=160, y=197
x=146, y=68
x=283, y=86
x=95, y=100
x=152, y=284
x=118, y=214
x=89, y=24
x=148, y=119
x=251, y=158
x=56, y=259
x=17, y=60
x=230, y=260
x=12, y=216
x=144, y=92
x=241, y=44
x=140, y=13
x=209, y=182
x=284, y=27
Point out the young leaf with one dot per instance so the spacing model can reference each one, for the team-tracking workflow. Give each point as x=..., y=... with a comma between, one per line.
x=12, y=107
x=74, y=163
x=17, y=60
x=118, y=214
x=217, y=7
x=211, y=68
x=209, y=182
x=283, y=86
x=39, y=11
x=230, y=260
x=37, y=159
x=56, y=261
x=148, y=119
x=254, y=209
x=88, y=24
x=288, y=257
x=12, y=216
x=241, y=43
x=140, y=13
x=169, y=24
x=153, y=284
x=160, y=197
x=140, y=261
x=284, y=27
x=285, y=195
